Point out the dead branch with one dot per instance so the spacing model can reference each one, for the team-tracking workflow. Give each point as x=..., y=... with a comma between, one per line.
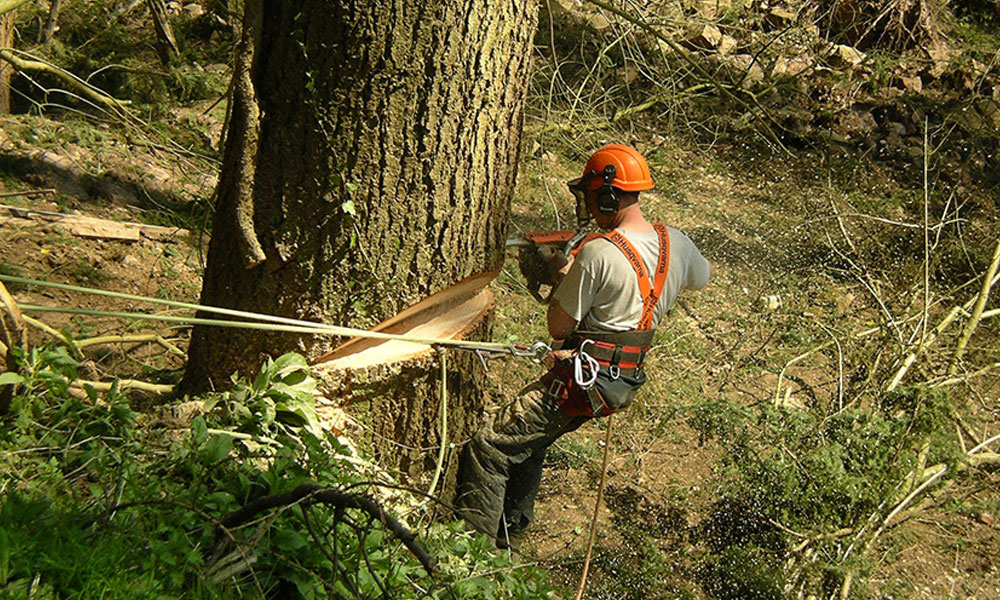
x=29, y=193
x=766, y=129
x=312, y=493
x=74, y=82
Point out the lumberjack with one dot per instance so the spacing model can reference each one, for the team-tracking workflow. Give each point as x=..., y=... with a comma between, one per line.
x=605, y=305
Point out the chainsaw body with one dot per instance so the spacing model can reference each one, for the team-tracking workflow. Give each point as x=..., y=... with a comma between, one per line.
x=535, y=251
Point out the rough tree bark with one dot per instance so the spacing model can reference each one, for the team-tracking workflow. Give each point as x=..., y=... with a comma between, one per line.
x=51, y=23
x=380, y=171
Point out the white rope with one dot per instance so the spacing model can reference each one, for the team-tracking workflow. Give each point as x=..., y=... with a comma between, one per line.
x=272, y=322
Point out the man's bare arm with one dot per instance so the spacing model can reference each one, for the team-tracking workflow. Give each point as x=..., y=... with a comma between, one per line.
x=561, y=324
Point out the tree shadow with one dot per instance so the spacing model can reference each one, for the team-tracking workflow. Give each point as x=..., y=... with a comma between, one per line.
x=43, y=169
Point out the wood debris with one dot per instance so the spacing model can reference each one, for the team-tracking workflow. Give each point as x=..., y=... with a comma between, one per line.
x=88, y=227
x=448, y=314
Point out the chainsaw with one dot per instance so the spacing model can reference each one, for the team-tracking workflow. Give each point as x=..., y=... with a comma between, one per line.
x=535, y=248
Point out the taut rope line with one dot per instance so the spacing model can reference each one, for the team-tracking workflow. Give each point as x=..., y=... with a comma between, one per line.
x=272, y=322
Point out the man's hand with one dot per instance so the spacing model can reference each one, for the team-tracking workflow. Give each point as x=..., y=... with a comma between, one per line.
x=559, y=265
x=556, y=355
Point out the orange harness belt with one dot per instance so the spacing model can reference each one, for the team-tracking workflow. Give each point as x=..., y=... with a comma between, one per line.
x=650, y=292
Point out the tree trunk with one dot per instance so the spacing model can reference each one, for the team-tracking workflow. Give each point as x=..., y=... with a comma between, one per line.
x=385, y=160
x=6, y=70
x=51, y=23
x=166, y=43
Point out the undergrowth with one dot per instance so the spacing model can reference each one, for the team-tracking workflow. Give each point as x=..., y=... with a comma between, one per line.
x=800, y=491
x=100, y=501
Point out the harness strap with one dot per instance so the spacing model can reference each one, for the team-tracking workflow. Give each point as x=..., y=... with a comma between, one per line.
x=648, y=291
x=618, y=338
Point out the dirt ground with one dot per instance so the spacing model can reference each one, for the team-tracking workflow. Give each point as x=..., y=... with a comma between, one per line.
x=659, y=475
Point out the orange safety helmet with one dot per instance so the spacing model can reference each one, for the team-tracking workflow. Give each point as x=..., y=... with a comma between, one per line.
x=615, y=166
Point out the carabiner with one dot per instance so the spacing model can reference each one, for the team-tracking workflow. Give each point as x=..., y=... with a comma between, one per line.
x=536, y=352
x=579, y=360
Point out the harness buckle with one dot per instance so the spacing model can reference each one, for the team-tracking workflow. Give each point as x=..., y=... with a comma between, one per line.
x=556, y=387
x=614, y=371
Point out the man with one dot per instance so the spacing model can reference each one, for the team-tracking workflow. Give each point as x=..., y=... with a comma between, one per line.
x=603, y=313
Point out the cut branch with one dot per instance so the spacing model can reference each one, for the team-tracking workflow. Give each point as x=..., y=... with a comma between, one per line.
x=8, y=5
x=977, y=311
x=125, y=384
x=42, y=326
x=313, y=493
x=933, y=335
x=12, y=333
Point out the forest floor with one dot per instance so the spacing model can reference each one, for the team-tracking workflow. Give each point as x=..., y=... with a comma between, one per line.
x=755, y=217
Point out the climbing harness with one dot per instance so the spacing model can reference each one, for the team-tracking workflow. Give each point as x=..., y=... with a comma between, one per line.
x=607, y=368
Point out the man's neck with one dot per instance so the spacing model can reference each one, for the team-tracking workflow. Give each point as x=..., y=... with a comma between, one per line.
x=630, y=219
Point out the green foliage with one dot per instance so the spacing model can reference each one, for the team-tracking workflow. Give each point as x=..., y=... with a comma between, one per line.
x=811, y=474
x=95, y=503
x=280, y=401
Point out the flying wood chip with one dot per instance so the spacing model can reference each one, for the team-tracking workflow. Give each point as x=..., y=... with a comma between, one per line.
x=448, y=314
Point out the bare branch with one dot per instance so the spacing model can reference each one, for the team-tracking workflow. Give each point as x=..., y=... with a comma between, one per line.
x=66, y=77
x=314, y=493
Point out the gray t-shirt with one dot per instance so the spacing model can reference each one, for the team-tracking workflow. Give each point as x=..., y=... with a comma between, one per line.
x=601, y=290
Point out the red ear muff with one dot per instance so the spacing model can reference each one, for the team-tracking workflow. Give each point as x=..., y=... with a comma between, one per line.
x=607, y=199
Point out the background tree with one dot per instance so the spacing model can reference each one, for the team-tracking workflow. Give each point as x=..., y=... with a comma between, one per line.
x=6, y=41
x=51, y=23
x=371, y=156
x=166, y=43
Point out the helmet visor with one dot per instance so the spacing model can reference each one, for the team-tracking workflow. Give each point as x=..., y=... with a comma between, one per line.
x=578, y=187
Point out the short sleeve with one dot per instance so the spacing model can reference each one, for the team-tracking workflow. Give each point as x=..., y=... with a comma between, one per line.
x=697, y=270
x=578, y=288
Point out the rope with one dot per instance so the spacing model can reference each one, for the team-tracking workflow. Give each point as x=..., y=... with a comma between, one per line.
x=272, y=322
x=444, y=420
x=597, y=508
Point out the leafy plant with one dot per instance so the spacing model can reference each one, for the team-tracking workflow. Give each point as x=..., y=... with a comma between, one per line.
x=279, y=401
x=82, y=471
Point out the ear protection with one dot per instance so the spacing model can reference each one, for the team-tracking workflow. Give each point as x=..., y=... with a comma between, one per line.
x=607, y=199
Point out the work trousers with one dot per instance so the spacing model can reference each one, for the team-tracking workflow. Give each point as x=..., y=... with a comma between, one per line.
x=501, y=466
